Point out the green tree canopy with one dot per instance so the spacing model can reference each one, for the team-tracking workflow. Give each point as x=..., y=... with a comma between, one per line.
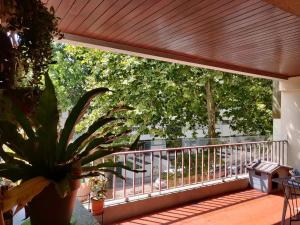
x=166, y=96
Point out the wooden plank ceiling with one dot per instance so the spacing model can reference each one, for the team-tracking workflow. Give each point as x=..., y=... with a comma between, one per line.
x=252, y=37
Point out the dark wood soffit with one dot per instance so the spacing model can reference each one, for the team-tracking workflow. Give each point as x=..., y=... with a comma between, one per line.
x=291, y=6
x=168, y=56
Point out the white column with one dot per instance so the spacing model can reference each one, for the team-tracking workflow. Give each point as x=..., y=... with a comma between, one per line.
x=290, y=119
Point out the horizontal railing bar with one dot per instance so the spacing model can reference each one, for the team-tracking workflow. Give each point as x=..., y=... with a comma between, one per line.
x=194, y=147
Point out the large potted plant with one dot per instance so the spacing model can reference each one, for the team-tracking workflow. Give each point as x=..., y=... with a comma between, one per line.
x=49, y=163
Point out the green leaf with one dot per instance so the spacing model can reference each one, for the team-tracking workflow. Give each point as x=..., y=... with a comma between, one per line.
x=24, y=122
x=9, y=135
x=73, y=147
x=10, y=158
x=110, y=164
x=99, y=153
x=14, y=172
x=91, y=146
x=46, y=120
x=76, y=114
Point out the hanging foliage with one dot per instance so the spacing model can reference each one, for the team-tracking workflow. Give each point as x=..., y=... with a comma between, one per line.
x=30, y=27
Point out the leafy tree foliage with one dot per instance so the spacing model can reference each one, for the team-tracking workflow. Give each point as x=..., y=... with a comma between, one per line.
x=166, y=96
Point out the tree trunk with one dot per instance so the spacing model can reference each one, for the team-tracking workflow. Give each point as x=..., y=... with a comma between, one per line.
x=211, y=109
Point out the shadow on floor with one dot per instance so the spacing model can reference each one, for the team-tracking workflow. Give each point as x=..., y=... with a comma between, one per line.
x=195, y=209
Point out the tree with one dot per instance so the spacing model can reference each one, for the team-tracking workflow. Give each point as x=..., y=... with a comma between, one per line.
x=166, y=96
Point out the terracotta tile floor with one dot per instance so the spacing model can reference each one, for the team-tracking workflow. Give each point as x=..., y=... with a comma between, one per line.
x=240, y=208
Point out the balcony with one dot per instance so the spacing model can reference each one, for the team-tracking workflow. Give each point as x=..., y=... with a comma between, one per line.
x=178, y=176
x=246, y=207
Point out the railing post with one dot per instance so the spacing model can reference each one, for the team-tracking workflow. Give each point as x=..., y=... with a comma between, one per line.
x=220, y=163
x=196, y=165
x=208, y=163
x=225, y=169
x=189, y=166
x=124, y=181
x=214, y=163
x=231, y=159
x=134, y=175
x=168, y=167
x=143, y=174
x=151, y=173
x=236, y=161
x=160, y=169
x=182, y=167
x=175, y=167
x=202, y=165
x=114, y=180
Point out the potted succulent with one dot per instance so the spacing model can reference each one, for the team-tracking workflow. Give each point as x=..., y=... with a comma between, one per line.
x=98, y=188
x=49, y=163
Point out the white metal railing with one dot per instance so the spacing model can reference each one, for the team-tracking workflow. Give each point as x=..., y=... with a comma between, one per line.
x=177, y=167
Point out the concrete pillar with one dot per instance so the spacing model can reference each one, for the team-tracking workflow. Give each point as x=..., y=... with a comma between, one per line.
x=290, y=119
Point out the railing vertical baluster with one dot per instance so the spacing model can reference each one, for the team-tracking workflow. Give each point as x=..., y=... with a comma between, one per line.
x=160, y=169
x=282, y=153
x=208, y=163
x=196, y=165
x=250, y=153
x=182, y=167
x=189, y=166
x=231, y=159
x=168, y=167
x=240, y=147
x=225, y=163
x=214, y=163
x=263, y=148
x=246, y=158
x=220, y=163
x=143, y=174
x=124, y=181
x=279, y=152
x=202, y=165
x=271, y=149
x=268, y=149
x=134, y=175
x=236, y=161
x=114, y=180
x=255, y=151
x=259, y=151
x=151, y=172
x=175, y=167
x=276, y=151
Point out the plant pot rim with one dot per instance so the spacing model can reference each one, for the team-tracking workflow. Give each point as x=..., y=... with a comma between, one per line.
x=96, y=199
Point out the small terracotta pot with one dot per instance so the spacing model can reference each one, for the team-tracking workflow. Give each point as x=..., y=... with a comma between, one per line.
x=97, y=206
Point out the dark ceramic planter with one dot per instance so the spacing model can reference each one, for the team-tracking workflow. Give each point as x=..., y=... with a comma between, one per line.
x=48, y=208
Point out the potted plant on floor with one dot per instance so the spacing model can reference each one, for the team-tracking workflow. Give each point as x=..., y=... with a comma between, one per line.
x=98, y=188
x=49, y=163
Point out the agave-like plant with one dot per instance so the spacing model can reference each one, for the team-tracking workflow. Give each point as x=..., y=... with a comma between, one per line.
x=37, y=153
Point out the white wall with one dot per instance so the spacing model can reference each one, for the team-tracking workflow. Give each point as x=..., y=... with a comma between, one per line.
x=290, y=119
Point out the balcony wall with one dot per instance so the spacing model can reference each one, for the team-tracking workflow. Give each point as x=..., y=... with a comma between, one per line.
x=126, y=210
